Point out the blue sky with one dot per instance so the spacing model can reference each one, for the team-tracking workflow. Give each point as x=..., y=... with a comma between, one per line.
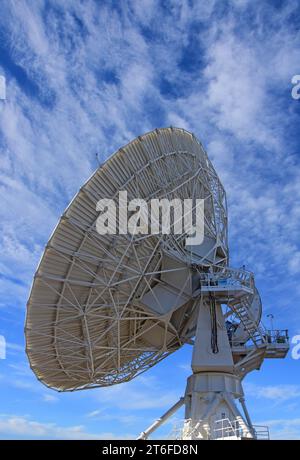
x=89, y=76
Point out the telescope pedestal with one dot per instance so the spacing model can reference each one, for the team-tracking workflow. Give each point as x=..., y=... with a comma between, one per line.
x=210, y=408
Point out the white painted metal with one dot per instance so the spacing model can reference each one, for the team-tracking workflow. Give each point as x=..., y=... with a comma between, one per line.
x=104, y=308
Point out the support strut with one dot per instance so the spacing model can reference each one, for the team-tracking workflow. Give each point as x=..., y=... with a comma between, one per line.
x=161, y=420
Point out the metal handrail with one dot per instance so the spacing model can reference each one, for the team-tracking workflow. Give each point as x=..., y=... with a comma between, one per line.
x=261, y=432
x=277, y=336
x=233, y=428
x=228, y=428
x=227, y=277
x=238, y=272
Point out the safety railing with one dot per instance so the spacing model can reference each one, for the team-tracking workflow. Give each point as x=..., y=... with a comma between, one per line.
x=225, y=428
x=227, y=277
x=277, y=336
x=222, y=429
x=261, y=432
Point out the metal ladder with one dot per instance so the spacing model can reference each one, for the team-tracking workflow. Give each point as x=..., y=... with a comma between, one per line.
x=241, y=307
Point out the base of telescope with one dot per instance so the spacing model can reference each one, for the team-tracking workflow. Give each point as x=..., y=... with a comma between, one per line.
x=210, y=408
x=211, y=411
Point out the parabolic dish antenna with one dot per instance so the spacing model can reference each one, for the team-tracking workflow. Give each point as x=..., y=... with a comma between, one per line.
x=105, y=307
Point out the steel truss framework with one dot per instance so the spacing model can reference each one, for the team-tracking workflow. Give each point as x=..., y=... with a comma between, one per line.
x=105, y=308
x=86, y=325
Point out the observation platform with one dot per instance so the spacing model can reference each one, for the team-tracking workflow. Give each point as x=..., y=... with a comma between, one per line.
x=277, y=343
x=248, y=358
x=235, y=283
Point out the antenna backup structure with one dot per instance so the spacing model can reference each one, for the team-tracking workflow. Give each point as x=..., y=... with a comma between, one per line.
x=104, y=308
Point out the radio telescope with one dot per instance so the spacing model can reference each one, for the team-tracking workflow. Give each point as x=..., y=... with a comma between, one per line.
x=105, y=308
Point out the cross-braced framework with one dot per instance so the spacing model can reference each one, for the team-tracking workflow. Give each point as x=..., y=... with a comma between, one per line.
x=89, y=318
x=104, y=308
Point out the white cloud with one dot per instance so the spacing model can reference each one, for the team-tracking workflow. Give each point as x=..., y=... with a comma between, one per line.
x=124, y=419
x=94, y=413
x=279, y=393
x=20, y=427
x=15, y=346
x=139, y=394
x=294, y=263
x=50, y=398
